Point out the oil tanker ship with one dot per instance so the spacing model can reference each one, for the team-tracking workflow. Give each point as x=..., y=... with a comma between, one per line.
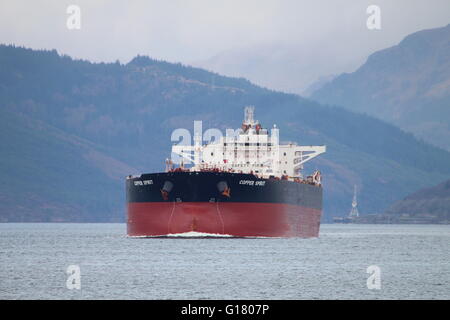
x=244, y=184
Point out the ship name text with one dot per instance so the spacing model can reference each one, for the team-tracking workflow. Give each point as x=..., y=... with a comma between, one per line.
x=252, y=183
x=143, y=182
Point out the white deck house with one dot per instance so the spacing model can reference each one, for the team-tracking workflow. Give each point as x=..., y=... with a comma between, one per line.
x=251, y=149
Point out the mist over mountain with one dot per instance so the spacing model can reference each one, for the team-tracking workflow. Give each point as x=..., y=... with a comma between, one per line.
x=72, y=130
x=316, y=85
x=293, y=69
x=407, y=85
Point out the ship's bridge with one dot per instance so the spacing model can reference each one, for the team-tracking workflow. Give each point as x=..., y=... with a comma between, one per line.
x=250, y=149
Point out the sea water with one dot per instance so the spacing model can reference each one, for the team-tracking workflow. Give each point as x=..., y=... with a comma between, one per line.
x=346, y=262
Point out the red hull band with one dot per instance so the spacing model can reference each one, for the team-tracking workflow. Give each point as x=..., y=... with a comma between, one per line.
x=236, y=219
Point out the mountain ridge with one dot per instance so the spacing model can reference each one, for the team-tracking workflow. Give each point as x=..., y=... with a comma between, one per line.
x=407, y=85
x=126, y=114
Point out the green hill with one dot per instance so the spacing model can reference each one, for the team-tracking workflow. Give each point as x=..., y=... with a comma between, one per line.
x=49, y=175
x=429, y=204
x=426, y=206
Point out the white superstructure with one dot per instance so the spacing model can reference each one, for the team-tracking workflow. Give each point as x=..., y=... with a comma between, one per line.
x=251, y=149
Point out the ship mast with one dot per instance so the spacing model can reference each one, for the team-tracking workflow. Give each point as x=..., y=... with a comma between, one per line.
x=354, y=211
x=249, y=115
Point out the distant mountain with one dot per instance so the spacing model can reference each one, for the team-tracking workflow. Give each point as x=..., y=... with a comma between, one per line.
x=407, y=85
x=316, y=85
x=71, y=131
x=282, y=67
x=429, y=203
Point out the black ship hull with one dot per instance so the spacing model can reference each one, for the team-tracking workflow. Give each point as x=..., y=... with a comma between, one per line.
x=221, y=203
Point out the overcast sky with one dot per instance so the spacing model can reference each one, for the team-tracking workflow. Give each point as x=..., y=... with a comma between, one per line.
x=196, y=30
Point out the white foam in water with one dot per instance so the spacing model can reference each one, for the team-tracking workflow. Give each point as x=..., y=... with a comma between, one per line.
x=199, y=234
x=190, y=234
x=195, y=234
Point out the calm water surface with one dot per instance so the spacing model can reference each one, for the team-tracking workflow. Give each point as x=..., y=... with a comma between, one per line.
x=414, y=261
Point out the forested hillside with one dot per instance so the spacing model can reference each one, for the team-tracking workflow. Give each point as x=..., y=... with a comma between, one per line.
x=72, y=130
